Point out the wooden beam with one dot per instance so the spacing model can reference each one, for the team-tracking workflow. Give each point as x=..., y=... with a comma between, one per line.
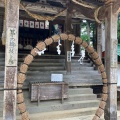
x=116, y=6
x=99, y=40
x=11, y=56
x=40, y=8
x=68, y=23
x=81, y=11
x=111, y=63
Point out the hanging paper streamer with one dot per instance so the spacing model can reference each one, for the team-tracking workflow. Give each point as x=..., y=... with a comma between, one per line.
x=58, y=48
x=41, y=52
x=82, y=56
x=72, y=49
x=46, y=24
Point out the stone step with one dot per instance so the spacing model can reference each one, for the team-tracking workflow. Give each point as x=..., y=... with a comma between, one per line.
x=80, y=84
x=2, y=60
x=75, y=73
x=57, y=106
x=82, y=68
x=66, y=114
x=47, y=60
x=48, y=63
x=37, y=64
x=72, y=82
x=81, y=97
x=40, y=68
x=37, y=74
x=65, y=76
x=74, y=91
x=46, y=68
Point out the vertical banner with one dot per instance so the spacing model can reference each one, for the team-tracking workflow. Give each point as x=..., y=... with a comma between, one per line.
x=26, y=23
x=37, y=25
x=42, y=25
x=21, y=23
x=11, y=50
x=32, y=24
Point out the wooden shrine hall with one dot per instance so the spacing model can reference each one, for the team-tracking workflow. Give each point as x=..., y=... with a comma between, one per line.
x=31, y=27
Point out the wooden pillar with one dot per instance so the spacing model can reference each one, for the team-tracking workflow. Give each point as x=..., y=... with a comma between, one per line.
x=99, y=40
x=78, y=33
x=68, y=22
x=103, y=36
x=111, y=63
x=11, y=56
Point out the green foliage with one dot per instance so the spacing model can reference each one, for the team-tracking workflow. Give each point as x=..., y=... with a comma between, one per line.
x=84, y=34
x=85, y=37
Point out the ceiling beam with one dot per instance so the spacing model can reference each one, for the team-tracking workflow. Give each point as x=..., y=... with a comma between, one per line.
x=103, y=12
x=45, y=9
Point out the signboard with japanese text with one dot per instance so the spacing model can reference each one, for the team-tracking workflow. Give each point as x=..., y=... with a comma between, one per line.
x=68, y=56
x=12, y=49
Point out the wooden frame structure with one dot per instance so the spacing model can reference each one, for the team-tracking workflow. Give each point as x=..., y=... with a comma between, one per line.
x=108, y=11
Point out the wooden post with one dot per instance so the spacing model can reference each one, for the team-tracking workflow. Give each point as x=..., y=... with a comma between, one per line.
x=111, y=63
x=11, y=56
x=99, y=40
x=68, y=22
x=78, y=33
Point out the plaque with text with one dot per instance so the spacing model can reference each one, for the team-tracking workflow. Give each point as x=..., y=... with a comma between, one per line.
x=68, y=56
x=12, y=47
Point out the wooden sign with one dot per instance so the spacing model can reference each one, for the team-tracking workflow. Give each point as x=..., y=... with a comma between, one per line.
x=11, y=50
x=68, y=56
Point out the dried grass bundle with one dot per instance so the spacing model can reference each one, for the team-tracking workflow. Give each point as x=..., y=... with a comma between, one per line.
x=105, y=89
x=89, y=49
x=103, y=75
x=23, y=68
x=22, y=107
x=99, y=112
x=21, y=77
x=41, y=45
x=20, y=98
x=104, y=97
x=95, y=118
x=25, y=116
x=64, y=36
x=28, y=59
x=84, y=44
x=101, y=68
x=71, y=37
x=48, y=41
x=94, y=55
x=104, y=80
x=34, y=51
x=78, y=40
x=56, y=38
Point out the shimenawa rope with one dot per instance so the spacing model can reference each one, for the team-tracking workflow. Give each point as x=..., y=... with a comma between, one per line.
x=40, y=46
